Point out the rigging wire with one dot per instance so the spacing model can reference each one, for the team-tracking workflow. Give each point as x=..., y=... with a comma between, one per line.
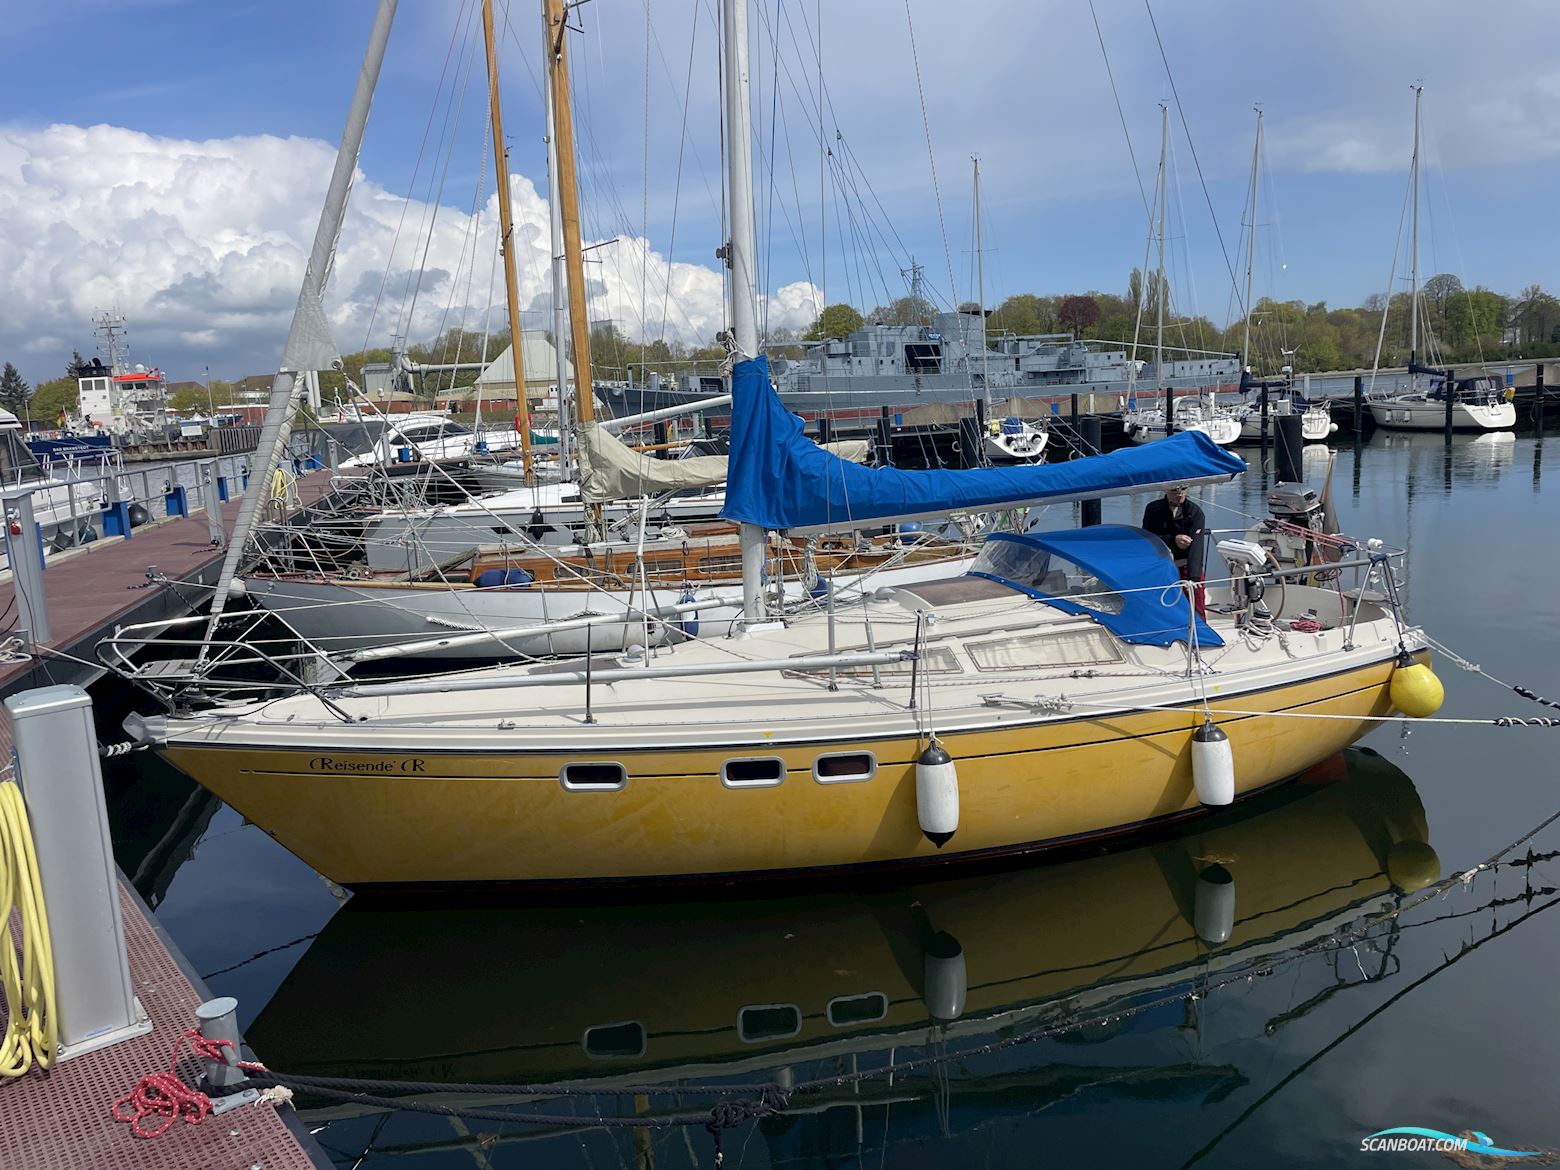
x=1137, y=172
x=406, y=202
x=931, y=157
x=1187, y=130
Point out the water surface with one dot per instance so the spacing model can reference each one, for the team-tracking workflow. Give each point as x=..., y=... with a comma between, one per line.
x=1104, y=1019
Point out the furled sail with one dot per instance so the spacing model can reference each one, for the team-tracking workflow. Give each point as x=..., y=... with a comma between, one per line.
x=782, y=480
x=610, y=470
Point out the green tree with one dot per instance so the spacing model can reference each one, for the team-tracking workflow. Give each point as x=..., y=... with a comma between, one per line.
x=203, y=398
x=1025, y=315
x=1537, y=315
x=839, y=320
x=903, y=311
x=55, y=397
x=14, y=392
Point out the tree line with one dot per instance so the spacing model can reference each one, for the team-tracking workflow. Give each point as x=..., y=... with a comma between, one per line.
x=1458, y=326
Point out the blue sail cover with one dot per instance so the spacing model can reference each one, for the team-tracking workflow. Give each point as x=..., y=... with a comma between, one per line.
x=1151, y=607
x=781, y=479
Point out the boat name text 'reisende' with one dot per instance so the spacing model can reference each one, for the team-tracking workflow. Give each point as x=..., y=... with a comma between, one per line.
x=331, y=764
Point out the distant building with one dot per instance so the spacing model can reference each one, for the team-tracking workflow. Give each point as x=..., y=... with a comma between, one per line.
x=253, y=389
x=540, y=360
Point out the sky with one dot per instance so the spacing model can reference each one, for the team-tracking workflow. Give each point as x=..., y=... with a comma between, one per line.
x=167, y=159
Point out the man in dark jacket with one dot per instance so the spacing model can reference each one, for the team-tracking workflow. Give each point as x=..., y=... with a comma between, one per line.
x=1176, y=520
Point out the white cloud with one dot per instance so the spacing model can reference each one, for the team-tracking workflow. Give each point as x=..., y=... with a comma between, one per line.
x=202, y=246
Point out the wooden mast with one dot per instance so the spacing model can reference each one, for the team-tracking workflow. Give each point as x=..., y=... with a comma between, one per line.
x=506, y=240
x=569, y=200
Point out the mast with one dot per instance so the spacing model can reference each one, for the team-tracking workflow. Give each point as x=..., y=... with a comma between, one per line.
x=980, y=286
x=1159, y=275
x=1413, y=251
x=1251, y=248
x=560, y=306
x=569, y=207
x=506, y=242
x=310, y=345
x=111, y=324
x=739, y=253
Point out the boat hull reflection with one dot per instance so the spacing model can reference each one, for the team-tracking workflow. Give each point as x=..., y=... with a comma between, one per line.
x=585, y=992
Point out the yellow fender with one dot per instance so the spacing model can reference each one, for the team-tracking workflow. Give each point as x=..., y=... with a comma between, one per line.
x=1415, y=690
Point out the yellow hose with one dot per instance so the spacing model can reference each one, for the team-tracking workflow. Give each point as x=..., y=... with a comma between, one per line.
x=32, y=1031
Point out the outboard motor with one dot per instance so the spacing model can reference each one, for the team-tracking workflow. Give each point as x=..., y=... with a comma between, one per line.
x=1298, y=505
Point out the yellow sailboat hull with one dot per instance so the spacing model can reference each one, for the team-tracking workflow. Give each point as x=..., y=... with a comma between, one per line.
x=397, y=818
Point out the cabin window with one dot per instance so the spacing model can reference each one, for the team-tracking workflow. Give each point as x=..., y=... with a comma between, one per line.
x=753, y=772
x=614, y=1041
x=775, y=1021
x=1030, y=567
x=857, y=1009
x=934, y=660
x=844, y=767
x=602, y=776
x=1086, y=647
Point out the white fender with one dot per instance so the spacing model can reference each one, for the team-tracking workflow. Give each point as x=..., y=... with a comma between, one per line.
x=1213, y=765
x=937, y=794
x=1213, y=910
x=946, y=981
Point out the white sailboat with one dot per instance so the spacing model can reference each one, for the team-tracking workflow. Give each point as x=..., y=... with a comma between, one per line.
x=1315, y=417
x=1476, y=403
x=1199, y=413
x=1062, y=690
x=1010, y=439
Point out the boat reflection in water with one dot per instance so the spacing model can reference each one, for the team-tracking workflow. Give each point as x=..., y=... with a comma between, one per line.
x=1473, y=458
x=659, y=993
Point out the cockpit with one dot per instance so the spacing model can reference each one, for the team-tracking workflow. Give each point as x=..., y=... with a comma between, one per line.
x=1121, y=577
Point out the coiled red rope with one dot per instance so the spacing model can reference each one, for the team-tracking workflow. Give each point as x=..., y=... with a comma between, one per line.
x=164, y=1095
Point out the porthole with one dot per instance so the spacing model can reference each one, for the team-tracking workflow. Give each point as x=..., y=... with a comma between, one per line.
x=775, y=1021
x=594, y=776
x=844, y=767
x=857, y=1009
x=753, y=772
x=614, y=1041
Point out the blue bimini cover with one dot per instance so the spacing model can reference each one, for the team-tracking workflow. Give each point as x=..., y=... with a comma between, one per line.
x=780, y=479
x=1137, y=593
